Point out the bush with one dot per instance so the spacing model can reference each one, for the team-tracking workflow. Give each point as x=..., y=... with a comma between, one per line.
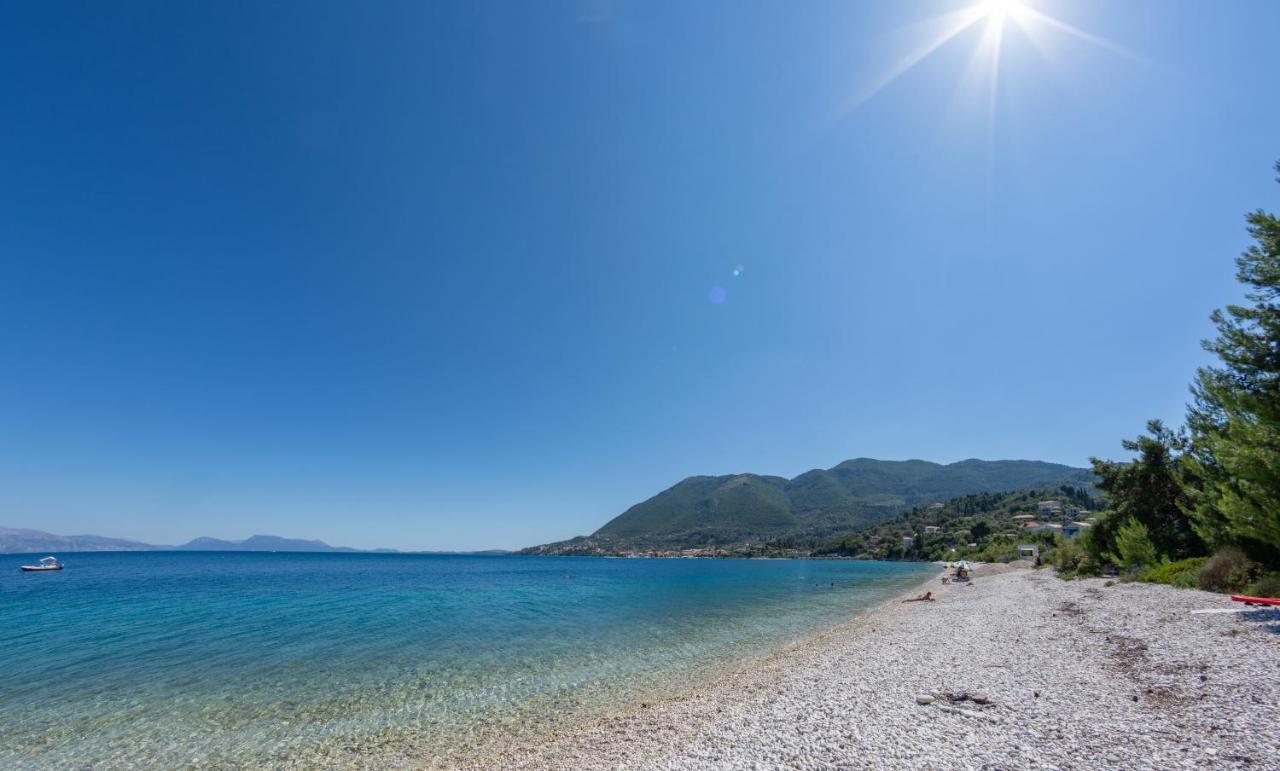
x=1071, y=559
x=1228, y=571
x=1267, y=586
x=996, y=552
x=1172, y=572
x=1134, y=548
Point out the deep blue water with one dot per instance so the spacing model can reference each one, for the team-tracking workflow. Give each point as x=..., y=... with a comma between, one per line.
x=171, y=659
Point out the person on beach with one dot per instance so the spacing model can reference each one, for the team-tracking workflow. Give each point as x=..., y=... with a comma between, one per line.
x=926, y=597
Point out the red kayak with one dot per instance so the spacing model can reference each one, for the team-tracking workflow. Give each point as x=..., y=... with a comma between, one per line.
x=1255, y=600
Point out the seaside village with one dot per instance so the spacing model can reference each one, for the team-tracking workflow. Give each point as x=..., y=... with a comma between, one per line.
x=1000, y=537
x=1051, y=518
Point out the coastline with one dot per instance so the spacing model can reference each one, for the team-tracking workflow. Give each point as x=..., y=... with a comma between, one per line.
x=534, y=733
x=1075, y=674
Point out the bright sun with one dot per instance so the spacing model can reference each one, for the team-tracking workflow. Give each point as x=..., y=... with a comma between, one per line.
x=995, y=18
x=1001, y=8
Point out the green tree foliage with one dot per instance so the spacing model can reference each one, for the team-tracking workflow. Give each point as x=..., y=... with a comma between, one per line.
x=1150, y=492
x=1235, y=417
x=1134, y=548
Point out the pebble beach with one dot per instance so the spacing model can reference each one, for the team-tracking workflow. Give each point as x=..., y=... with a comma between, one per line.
x=1018, y=670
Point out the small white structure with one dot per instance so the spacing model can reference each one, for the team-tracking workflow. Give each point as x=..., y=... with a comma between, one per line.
x=931, y=529
x=1028, y=551
x=907, y=541
x=1049, y=507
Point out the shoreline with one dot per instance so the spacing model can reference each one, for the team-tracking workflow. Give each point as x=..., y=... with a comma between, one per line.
x=1073, y=674
x=494, y=742
x=520, y=753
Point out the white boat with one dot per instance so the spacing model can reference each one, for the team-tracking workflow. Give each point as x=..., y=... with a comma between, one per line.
x=46, y=563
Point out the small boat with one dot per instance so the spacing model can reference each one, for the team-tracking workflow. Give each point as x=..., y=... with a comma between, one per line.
x=46, y=563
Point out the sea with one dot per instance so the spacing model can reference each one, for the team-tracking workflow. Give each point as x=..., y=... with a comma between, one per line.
x=230, y=659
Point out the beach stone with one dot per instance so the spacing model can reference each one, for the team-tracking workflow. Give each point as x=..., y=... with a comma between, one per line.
x=924, y=698
x=980, y=697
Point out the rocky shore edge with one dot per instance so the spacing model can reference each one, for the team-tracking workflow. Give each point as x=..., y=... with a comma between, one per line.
x=1019, y=670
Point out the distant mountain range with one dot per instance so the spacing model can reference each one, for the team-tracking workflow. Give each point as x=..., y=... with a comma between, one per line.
x=262, y=543
x=18, y=540
x=722, y=511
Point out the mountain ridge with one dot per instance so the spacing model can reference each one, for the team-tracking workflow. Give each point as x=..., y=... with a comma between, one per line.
x=26, y=540
x=702, y=511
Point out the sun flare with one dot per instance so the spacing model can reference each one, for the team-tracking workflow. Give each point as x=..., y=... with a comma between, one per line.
x=995, y=19
x=1002, y=8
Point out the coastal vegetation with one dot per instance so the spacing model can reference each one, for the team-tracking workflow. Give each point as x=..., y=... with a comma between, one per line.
x=1200, y=505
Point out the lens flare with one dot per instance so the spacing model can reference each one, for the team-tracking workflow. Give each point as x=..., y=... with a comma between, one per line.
x=924, y=38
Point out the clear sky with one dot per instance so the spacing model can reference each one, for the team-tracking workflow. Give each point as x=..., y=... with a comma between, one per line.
x=462, y=275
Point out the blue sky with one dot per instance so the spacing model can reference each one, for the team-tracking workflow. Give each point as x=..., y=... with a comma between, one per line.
x=461, y=275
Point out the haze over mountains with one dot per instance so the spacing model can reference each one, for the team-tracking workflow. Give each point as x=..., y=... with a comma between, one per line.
x=20, y=540
x=738, y=508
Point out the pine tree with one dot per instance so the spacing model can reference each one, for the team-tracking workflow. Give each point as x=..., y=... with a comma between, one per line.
x=1235, y=417
x=1151, y=491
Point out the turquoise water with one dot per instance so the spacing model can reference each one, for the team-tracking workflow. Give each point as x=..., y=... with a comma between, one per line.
x=199, y=659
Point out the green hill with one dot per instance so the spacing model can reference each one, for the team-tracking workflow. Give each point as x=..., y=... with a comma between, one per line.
x=725, y=511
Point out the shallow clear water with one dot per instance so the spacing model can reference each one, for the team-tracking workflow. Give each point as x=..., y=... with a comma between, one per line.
x=172, y=659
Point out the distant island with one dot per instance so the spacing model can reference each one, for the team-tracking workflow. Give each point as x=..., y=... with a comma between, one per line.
x=21, y=541
x=739, y=513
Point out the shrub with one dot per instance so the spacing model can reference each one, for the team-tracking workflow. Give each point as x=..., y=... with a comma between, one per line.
x=1227, y=571
x=996, y=552
x=1065, y=555
x=1172, y=572
x=1071, y=559
x=1134, y=548
x=1267, y=586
